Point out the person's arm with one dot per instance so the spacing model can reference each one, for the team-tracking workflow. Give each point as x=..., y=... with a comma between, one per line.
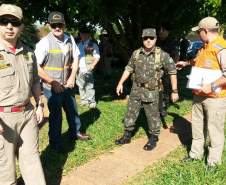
x=128, y=70
x=74, y=68
x=96, y=56
x=125, y=76
x=170, y=67
x=174, y=94
x=182, y=64
x=1, y=129
x=211, y=87
x=36, y=92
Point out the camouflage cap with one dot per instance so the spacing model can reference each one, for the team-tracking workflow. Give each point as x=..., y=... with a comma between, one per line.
x=208, y=23
x=56, y=17
x=149, y=32
x=10, y=9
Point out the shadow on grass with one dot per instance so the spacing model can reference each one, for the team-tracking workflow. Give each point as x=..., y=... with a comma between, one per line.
x=53, y=163
x=88, y=118
x=182, y=127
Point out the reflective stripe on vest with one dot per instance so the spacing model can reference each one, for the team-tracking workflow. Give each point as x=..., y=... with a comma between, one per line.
x=55, y=68
x=58, y=60
x=207, y=58
x=54, y=51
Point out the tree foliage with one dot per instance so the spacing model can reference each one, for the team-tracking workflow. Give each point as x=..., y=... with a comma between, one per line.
x=123, y=19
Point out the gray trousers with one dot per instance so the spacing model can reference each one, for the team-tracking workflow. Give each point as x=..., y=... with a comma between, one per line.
x=209, y=111
x=85, y=83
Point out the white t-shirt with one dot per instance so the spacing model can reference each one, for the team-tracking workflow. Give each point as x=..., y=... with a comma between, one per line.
x=82, y=60
x=42, y=48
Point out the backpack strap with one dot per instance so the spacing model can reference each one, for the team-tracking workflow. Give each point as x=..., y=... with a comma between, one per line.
x=157, y=55
x=136, y=54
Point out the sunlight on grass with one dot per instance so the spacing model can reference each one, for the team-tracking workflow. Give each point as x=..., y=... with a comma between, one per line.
x=104, y=125
x=171, y=171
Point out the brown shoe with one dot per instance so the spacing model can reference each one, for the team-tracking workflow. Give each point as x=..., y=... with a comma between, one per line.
x=83, y=136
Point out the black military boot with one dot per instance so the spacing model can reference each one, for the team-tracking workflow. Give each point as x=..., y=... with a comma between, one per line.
x=126, y=138
x=152, y=142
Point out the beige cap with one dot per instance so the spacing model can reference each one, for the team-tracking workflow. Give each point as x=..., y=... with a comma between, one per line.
x=208, y=23
x=9, y=9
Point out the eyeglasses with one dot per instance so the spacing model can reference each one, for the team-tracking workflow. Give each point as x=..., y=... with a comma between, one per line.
x=57, y=25
x=13, y=22
x=146, y=38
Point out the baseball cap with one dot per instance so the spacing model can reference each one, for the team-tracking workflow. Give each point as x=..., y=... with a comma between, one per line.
x=208, y=23
x=56, y=17
x=84, y=29
x=10, y=9
x=149, y=32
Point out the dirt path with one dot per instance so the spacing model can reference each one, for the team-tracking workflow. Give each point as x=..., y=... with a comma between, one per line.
x=117, y=166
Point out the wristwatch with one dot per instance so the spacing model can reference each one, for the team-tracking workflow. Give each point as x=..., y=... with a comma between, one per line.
x=213, y=87
x=174, y=90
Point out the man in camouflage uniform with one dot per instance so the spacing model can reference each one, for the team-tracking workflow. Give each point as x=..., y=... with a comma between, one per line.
x=146, y=64
x=170, y=45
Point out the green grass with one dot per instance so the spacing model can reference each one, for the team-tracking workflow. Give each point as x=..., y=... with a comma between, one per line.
x=104, y=125
x=171, y=171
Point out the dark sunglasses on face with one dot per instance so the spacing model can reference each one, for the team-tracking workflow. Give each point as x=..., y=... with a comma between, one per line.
x=146, y=38
x=57, y=25
x=13, y=22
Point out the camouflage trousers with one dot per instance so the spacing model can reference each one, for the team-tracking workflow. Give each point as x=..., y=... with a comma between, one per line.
x=151, y=111
x=164, y=101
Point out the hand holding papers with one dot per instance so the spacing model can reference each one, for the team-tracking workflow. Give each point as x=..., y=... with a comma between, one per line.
x=201, y=76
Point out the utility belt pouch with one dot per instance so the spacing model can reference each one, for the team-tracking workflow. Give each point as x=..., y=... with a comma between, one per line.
x=151, y=85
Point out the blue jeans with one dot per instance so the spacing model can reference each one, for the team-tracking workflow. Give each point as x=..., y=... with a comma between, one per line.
x=55, y=103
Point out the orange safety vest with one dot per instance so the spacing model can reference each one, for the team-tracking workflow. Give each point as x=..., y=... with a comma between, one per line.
x=207, y=58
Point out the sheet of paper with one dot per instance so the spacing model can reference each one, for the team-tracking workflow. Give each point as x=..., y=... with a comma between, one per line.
x=200, y=76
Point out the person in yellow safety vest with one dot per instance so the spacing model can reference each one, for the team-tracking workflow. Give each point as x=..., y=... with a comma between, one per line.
x=57, y=56
x=209, y=101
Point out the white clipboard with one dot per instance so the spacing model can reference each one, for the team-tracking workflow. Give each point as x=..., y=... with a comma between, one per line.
x=200, y=76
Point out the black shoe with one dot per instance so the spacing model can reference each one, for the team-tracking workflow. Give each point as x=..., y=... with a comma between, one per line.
x=152, y=142
x=125, y=139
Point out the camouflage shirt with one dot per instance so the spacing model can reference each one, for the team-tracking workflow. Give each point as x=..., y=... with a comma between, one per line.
x=146, y=70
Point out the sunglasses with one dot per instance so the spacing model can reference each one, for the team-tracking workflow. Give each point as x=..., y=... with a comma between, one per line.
x=57, y=25
x=13, y=22
x=146, y=38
